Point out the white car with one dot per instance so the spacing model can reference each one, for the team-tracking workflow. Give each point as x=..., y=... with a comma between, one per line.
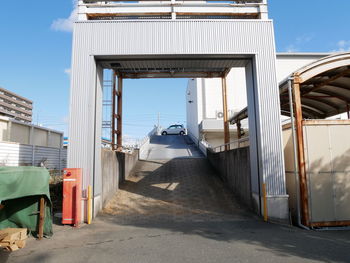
x=176, y=129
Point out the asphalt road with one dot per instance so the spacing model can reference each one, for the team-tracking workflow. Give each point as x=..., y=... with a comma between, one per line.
x=172, y=146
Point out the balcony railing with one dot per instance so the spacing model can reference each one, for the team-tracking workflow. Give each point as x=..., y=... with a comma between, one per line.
x=172, y=9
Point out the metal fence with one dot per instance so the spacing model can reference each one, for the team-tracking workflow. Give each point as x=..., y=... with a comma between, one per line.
x=16, y=154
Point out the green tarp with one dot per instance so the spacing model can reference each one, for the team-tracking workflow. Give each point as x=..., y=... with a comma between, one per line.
x=20, y=191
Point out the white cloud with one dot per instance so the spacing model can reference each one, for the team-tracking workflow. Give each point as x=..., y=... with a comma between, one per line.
x=68, y=71
x=291, y=49
x=66, y=24
x=298, y=43
x=343, y=46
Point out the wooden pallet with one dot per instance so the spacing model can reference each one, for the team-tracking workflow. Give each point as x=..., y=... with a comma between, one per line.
x=12, y=239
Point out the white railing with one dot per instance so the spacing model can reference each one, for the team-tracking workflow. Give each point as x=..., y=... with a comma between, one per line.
x=172, y=9
x=244, y=142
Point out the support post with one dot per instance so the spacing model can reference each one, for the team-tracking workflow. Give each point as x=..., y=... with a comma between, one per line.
x=120, y=114
x=114, y=94
x=41, y=218
x=239, y=126
x=301, y=153
x=348, y=110
x=225, y=111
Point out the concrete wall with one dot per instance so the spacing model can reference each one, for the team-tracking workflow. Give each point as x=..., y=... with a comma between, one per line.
x=128, y=161
x=110, y=175
x=234, y=168
x=116, y=167
x=18, y=132
x=144, y=146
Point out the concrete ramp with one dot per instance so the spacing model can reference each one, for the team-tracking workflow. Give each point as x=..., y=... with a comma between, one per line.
x=171, y=147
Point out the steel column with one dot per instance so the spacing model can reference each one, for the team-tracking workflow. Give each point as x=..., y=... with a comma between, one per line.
x=301, y=153
x=225, y=111
x=114, y=94
x=120, y=114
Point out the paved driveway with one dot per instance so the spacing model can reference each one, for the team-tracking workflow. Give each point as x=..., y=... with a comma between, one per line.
x=172, y=146
x=179, y=211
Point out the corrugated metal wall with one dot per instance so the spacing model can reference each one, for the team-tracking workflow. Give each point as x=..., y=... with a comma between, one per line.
x=15, y=154
x=181, y=37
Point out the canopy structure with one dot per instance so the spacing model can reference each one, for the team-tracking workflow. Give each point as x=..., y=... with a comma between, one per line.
x=324, y=89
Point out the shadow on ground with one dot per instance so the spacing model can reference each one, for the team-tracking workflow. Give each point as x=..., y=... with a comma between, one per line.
x=201, y=205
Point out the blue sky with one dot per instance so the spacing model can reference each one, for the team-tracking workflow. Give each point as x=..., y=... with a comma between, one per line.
x=35, y=56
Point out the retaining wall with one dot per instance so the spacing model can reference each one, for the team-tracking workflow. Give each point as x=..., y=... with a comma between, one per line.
x=116, y=167
x=234, y=168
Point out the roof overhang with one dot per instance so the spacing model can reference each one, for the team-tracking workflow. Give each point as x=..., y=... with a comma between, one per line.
x=172, y=66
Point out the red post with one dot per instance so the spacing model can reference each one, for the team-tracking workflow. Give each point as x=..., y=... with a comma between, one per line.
x=72, y=196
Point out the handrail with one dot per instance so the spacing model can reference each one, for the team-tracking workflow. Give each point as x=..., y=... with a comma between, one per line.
x=228, y=145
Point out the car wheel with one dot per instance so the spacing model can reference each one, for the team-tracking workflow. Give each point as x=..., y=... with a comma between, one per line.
x=164, y=133
x=182, y=133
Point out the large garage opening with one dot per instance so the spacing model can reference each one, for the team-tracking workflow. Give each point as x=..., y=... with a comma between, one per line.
x=171, y=174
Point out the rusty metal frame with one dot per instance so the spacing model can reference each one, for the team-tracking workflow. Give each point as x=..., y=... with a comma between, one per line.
x=114, y=93
x=119, y=115
x=304, y=197
x=330, y=224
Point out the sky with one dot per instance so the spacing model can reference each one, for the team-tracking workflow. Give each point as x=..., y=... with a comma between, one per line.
x=35, y=58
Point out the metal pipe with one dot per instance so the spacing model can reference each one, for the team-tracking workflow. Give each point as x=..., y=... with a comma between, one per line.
x=296, y=176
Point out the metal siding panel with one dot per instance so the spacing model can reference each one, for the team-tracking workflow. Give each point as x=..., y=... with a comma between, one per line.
x=98, y=153
x=342, y=196
x=321, y=192
x=317, y=143
x=185, y=37
x=13, y=154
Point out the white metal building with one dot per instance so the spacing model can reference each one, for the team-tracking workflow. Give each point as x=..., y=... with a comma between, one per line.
x=171, y=39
